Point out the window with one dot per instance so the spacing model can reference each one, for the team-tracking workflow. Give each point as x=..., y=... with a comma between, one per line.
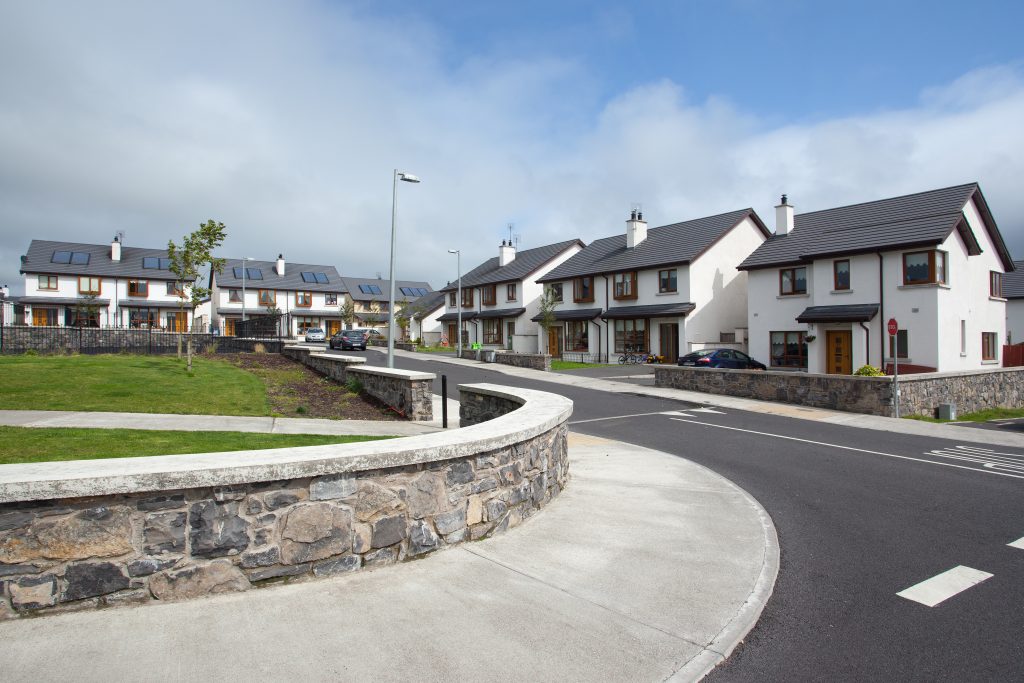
x=625, y=285
x=174, y=289
x=88, y=285
x=902, y=344
x=995, y=284
x=77, y=258
x=48, y=282
x=788, y=350
x=250, y=273
x=492, y=331
x=330, y=299
x=320, y=278
x=303, y=299
x=267, y=297
x=451, y=298
x=235, y=296
x=630, y=335
x=467, y=297
x=303, y=324
x=924, y=267
x=727, y=337
x=138, y=288
x=792, y=281
x=667, y=280
x=154, y=263
x=488, y=295
x=510, y=292
x=841, y=275
x=145, y=318
x=583, y=289
x=81, y=317
x=963, y=337
x=578, y=338
x=989, y=348
x=44, y=317
x=369, y=289
x=554, y=291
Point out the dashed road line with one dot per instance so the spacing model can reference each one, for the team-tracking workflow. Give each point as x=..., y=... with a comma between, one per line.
x=1019, y=543
x=942, y=587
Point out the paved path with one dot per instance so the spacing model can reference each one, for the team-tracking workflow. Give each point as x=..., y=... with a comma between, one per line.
x=647, y=567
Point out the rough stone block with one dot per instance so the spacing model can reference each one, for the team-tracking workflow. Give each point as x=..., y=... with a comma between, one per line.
x=278, y=572
x=426, y=495
x=361, y=535
x=87, y=580
x=149, y=565
x=264, y=558
x=341, y=565
x=97, y=532
x=461, y=472
x=314, y=531
x=381, y=557
x=333, y=487
x=283, y=498
x=216, y=529
x=474, y=510
x=222, y=494
x=33, y=592
x=164, y=532
x=495, y=509
x=485, y=484
x=219, y=576
x=15, y=520
x=170, y=502
x=422, y=538
x=388, y=531
x=450, y=522
x=18, y=569
x=375, y=499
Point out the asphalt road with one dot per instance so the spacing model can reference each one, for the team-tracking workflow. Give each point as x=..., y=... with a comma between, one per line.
x=861, y=515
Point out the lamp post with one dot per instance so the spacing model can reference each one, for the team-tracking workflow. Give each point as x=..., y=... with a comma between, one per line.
x=409, y=178
x=458, y=299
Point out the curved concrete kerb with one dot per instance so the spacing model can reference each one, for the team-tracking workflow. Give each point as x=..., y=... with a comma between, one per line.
x=179, y=526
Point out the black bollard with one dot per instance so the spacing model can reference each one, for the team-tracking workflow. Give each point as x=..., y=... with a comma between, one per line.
x=444, y=401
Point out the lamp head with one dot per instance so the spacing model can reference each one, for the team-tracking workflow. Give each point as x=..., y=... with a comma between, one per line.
x=453, y=251
x=408, y=177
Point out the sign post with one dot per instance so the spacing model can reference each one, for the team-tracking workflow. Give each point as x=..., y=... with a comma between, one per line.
x=894, y=328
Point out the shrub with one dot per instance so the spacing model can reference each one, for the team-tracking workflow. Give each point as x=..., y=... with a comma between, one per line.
x=31, y=352
x=869, y=371
x=354, y=385
x=301, y=410
x=259, y=348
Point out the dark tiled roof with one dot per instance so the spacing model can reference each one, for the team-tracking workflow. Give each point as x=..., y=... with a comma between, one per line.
x=299, y=312
x=668, y=244
x=292, y=280
x=1013, y=282
x=352, y=284
x=145, y=303
x=850, y=313
x=448, y=317
x=526, y=262
x=500, y=313
x=922, y=219
x=426, y=305
x=652, y=311
x=40, y=252
x=578, y=314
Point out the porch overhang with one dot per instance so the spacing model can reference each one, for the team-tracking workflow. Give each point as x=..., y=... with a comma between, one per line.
x=651, y=311
x=850, y=313
x=499, y=313
x=579, y=314
x=453, y=317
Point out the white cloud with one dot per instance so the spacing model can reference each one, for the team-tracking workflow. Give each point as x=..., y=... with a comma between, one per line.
x=285, y=121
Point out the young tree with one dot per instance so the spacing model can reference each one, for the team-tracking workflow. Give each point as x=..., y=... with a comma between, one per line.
x=195, y=252
x=348, y=312
x=403, y=317
x=546, y=311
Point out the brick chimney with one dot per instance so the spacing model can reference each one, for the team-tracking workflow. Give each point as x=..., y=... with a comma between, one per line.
x=783, y=217
x=636, y=228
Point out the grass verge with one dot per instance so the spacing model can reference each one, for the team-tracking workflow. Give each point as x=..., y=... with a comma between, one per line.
x=980, y=416
x=435, y=349
x=29, y=444
x=572, y=365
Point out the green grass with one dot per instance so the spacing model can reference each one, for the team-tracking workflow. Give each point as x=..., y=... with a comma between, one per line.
x=572, y=365
x=27, y=444
x=127, y=383
x=436, y=349
x=980, y=416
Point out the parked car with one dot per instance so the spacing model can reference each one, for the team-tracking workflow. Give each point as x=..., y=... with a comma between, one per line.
x=371, y=334
x=315, y=334
x=349, y=339
x=721, y=358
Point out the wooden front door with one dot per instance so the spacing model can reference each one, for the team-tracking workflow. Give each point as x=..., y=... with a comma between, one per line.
x=453, y=335
x=555, y=342
x=669, y=348
x=229, y=327
x=839, y=347
x=176, y=322
x=510, y=330
x=333, y=327
x=41, y=317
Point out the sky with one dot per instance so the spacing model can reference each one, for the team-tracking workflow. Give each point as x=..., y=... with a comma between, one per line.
x=286, y=120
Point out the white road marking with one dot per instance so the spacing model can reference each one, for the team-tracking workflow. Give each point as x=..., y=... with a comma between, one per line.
x=677, y=413
x=851, y=448
x=622, y=417
x=939, y=588
x=986, y=457
x=708, y=410
x=1019, y=543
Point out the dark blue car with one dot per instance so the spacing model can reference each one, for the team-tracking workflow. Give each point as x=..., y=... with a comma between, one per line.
x=720, y=358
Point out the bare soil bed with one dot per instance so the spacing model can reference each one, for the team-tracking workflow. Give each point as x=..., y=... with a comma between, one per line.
x=293, y=390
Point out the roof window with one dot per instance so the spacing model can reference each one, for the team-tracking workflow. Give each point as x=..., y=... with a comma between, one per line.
x=250, y=273
x=320, y=278
x=77, y=258
x=156, y=263
x=369, y=289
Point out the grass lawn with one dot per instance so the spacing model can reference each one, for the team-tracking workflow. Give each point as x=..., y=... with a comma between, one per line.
x=435, y=349
x=26, y=444
x=573, y=365
x=129, y=383
x=980, y=416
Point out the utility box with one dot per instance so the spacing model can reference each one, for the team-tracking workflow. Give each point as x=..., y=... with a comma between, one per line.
x=947, y=411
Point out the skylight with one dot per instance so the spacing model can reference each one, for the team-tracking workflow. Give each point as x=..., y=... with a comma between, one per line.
x=369, y=289
x=320, y=278
x=77, y=258
x=156, y=263
x=250, y=273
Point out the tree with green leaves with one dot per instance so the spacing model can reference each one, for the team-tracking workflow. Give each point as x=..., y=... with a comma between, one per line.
x=403, y=316
x=187, y=262
x=348, y=312
x=546, y=311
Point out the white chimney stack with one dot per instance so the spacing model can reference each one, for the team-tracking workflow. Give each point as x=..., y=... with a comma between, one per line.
x=115, y=250
x=506, y=253
x=636, y=228
x=783, y=217
x=280, y=265
x=5, y=292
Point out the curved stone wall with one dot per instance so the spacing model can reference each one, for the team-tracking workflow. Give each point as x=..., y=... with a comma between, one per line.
x=103, y=532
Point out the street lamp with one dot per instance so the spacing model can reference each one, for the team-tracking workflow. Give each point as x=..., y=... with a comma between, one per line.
x=409, y=178
x=458, y=299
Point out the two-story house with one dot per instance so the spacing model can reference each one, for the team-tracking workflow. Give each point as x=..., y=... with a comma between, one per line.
x=371, y=297
x=102, y=285
x=424, y=318
x=666, y=290
x=501, y=295
x=823, y=288
x=303, y=295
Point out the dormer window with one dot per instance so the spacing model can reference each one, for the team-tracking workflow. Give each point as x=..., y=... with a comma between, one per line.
x=451, y=299
x=924, y=267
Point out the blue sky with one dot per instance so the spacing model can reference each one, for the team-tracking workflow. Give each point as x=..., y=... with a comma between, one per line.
x=285, y=120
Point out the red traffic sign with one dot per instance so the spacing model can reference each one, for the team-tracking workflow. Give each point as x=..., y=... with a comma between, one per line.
x=893, y=327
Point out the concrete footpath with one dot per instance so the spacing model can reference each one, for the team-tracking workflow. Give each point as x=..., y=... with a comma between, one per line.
x=647, y=567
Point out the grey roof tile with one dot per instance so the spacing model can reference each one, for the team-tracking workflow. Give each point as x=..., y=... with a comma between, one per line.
x=525, y=262
x=838, y=314
x=352, y=285
x=38, y=259
x=291, y=281
x=649, y=311
x=1013, y=282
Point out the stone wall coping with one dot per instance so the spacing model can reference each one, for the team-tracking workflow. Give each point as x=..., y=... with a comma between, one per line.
x=351, y=360
x=957, y=373
x=917, y=376
x=394, y=372
x=539, y=412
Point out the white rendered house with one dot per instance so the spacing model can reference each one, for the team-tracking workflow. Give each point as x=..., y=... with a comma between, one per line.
x=371, y=297
x=1013, y=291
x=501, y=295
x=822, y=290
x=667, y=290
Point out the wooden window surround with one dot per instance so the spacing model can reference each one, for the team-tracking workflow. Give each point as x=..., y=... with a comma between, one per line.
x=841, y=275
x=554, y=290
x=492, y=331
x=467, y=297
x=625, y=285
x=451, y=298
x=788, y=349
x=48, y=282
x=792, y=281
x=510, y=292
x=330, y=299
x=138, y=288
x=995, y=283
x=174, y=289
x=234, y=296
x=267, y=297
x=303, y=299
x=667, y=281
x=89, y=285
x=989, y=349
x=489, y=296
x=924, y=267
x=583, y=289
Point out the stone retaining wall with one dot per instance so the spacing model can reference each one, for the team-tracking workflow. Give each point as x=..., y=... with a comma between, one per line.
x=534, y=361
x=93, y=340
x=920, y=394
x=107, y=532
x=407, y=392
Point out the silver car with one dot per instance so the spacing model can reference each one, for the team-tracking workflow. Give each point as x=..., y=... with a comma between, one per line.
x=315, y=334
